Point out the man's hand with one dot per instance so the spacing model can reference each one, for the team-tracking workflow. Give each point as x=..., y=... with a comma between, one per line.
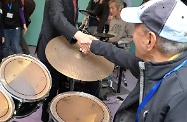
x=25, y=28
x=84, y=41
x=3, y=39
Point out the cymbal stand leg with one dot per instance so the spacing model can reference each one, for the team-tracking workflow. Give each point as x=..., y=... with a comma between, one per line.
x=100, y=90
x=72, y=84
x=111, y=86
x=124, y=79
x=119, y=80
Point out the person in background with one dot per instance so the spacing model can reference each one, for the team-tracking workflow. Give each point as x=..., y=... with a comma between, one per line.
x=102, y=12
x=122, y=31
x=28, y=9
x=59, y=18
x=2, y=39
x=159, y=62
x=14, y=20
x=93, y=22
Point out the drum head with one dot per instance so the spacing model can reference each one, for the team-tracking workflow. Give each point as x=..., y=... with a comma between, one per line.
x=25, y=77
x=7, y=106
x=78, y=107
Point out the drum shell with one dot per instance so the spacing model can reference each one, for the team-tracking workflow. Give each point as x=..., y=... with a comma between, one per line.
x=24, y=109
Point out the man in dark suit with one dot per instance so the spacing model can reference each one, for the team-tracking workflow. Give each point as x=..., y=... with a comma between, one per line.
x=60, y=17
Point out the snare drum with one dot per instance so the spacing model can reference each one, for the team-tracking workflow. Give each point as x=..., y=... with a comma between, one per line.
x=78, y=107
x=7, y=106
x=27, y=80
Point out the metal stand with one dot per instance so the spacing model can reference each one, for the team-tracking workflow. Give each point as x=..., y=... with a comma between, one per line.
x=72, y=84
x=84, y=26
x=120, y=79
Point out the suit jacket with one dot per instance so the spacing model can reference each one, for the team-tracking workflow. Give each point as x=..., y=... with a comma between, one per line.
x=58, y=19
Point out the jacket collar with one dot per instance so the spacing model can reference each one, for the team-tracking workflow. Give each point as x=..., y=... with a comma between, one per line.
x=155, y=71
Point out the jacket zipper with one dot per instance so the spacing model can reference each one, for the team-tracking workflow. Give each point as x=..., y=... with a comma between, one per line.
x=142, y=68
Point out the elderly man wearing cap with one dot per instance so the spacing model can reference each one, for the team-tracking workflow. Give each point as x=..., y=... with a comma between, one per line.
x=159, y=63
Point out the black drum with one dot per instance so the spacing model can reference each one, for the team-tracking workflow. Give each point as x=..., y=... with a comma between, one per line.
x=27, y=81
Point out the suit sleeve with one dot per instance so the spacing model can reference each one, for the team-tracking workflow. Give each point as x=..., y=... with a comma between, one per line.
x=116, y=55
x=59, y=21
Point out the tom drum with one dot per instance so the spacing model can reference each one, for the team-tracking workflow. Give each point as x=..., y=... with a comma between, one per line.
x=7, y=106
x=27, y=81
x=78, y=107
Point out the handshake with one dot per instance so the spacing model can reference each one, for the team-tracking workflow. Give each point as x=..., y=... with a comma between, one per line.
x=84, y=41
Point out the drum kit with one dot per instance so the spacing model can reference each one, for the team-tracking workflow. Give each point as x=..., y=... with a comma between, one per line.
x=104, y=36
x=84, y=26
x=25, y=82
x=78, y=106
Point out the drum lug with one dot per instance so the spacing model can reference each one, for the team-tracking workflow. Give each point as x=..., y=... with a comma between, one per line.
x=17, y=107
x=15, y=112
x=47, y=95
x=38, y=105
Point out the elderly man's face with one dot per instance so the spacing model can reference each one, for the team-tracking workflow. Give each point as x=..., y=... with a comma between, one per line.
x=139, y=40
x=115, y=12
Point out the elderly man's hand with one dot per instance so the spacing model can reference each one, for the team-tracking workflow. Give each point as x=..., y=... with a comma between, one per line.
x=84, y=41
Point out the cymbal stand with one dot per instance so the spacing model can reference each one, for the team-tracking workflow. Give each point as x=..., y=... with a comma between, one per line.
x=120, y=79
x=72, y=84
x=110, y=86
x=84, y=26
x=111, y=83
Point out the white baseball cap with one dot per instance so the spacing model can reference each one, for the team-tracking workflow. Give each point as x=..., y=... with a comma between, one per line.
x=167, y=18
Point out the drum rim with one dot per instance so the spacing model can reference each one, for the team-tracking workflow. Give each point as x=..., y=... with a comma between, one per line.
x=55, y=100
x=10, y=102
x=43, y=68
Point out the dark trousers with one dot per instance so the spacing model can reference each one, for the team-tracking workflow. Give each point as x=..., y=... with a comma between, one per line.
x=91, y=87
x=57, y=87
x=59, y=83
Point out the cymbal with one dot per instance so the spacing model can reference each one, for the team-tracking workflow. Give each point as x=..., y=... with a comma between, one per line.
x=68, y=60
x=88, y=13
x=103, y=35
